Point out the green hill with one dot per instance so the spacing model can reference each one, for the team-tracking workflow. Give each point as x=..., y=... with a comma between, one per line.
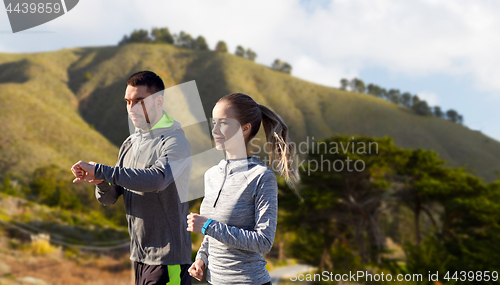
x=41, y=124
x=53, y=101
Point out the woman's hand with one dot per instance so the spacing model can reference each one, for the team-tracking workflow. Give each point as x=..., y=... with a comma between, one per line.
x=196, y=269
x=195, y=222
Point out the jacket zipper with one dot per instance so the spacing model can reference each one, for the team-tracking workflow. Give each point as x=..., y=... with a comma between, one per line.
x=223, y=181
x=138, y=152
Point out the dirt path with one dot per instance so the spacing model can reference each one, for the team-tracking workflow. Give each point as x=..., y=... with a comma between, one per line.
x=288, y=271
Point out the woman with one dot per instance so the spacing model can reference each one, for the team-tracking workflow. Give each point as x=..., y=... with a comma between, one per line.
x=239, y=211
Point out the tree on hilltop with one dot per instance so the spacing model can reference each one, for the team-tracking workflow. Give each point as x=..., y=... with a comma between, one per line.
x=162, y=35
x=240, y=51
x=221, y=46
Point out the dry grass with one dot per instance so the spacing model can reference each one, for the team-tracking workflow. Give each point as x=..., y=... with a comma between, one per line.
x=24, y=265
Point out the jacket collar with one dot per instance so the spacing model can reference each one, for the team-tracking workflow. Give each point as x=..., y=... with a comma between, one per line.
x=166, y=124
x=165, y=121
x=238, y=164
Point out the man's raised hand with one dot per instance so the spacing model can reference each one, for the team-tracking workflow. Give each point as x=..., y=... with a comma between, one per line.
x=84, y=172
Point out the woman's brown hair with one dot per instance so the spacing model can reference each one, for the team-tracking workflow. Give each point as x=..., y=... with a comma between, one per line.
x=280, y=148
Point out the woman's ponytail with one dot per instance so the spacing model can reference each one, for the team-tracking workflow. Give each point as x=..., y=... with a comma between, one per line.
x=281, y=149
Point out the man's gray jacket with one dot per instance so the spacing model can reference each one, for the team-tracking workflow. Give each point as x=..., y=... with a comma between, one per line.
x=153, y=169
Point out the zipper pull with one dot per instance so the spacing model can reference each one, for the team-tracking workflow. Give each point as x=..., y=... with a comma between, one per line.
x=223, y=181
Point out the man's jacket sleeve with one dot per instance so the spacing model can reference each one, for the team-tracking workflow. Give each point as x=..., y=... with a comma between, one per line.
x=174, y=159
x=107, y=194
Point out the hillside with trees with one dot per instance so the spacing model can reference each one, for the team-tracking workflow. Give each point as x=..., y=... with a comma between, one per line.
x=405, y=99
x=185, y=40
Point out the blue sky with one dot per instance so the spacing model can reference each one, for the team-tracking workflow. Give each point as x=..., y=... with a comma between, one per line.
x=445, y=51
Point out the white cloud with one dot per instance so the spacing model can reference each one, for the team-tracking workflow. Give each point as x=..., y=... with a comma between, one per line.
x=431, y=98
x=309, y=69
x=323, y=43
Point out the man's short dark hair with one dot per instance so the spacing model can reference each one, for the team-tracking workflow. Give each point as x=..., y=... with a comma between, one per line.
x=149, y=79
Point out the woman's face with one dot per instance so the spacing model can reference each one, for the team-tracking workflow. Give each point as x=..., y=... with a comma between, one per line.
x=226, y=130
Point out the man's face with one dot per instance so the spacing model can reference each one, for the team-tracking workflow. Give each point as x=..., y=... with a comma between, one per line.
x=142, y=108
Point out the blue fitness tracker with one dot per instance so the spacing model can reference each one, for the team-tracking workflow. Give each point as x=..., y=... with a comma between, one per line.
x=205, y=226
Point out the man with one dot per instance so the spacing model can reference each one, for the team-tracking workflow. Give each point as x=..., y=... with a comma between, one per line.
x=152, y=171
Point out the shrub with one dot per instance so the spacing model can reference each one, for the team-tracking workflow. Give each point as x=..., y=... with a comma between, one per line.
x=42, y=247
